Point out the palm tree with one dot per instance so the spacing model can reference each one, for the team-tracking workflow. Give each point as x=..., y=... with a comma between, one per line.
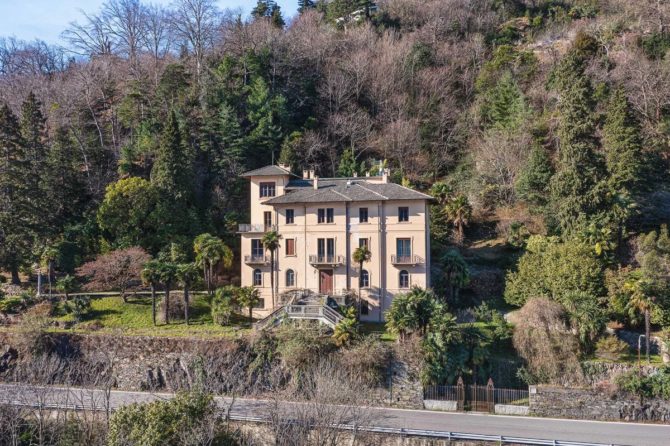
x=187, y=273
x=456, y=272
x=67, y=285
x=271, y=243
x=641, y=302
x=248, y=297
x=209, y=251
x=441, y=191
x=151, y=276
x=361, y=255
x=459, y=212
x=168, y=274
x=49, y=256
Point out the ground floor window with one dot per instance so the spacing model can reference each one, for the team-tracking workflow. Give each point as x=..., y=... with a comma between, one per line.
x=290, y=278
x=365, y=308
x=258, y=277
x=364, y=281
x=404, y=279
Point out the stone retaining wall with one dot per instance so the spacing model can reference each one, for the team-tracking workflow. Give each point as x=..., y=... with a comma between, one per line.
x=588, y=404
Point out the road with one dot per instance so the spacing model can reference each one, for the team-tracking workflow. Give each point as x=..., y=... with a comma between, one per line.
x=628, y=434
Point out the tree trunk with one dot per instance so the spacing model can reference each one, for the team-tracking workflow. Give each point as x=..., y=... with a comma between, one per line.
x=647, y=332
x=16, y=280
x=251, y=315
x=153, y=303
x=50, y=272
x=166, y=313
x=211, y=279
x=272, y=277
x=123, y=296
x=186, y=304
x=360, y=296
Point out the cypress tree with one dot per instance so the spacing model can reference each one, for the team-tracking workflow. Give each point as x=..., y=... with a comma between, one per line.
x=171, y=171
x=575, y=193
x=265, y=113
x=17, y=207
x=505, y=107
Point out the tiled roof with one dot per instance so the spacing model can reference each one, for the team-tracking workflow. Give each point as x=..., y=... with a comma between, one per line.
x=266, y=172
x=344, y=190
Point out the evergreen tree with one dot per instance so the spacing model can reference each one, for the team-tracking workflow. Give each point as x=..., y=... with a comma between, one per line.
x=304, y=5
x=575, y=192
x=623, y=148
x=348, y=166
x=171, y=171
x=269, y=9
x=266, y=114
x=17, y=206
x=288, y=156
x=504, y=106
x=533, y=181
x=63, y=182
x=231, y=139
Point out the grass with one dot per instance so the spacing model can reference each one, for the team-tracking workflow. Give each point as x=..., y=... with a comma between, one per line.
x=112, y=314
x=631, y=358
x=376, y=328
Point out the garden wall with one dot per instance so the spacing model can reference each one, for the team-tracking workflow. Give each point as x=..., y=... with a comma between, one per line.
x=588, y=404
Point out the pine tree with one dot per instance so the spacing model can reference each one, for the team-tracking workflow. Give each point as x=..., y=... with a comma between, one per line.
x=171, y=171
x=304, y=5
x=533, y=182
x=269, y=9
x=266, y=114
x=33, y=133
x=348, y=166
x=623, y=145
x=288, y=156
x=17, y=208
x=575, y=192
x=505, y=107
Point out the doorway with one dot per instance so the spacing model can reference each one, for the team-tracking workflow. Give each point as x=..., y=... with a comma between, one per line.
x=326, y=281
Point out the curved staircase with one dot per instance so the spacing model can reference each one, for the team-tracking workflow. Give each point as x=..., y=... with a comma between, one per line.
x=302, y=304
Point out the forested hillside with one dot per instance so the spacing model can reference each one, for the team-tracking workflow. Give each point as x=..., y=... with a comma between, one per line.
x=542, y=124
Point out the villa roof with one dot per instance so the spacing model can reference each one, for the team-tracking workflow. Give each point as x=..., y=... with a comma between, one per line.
x=344, y=190
x=266, y=171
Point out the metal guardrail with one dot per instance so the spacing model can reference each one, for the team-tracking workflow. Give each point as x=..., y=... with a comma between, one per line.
x=444, y=435
x=406, y=260
x=256, y=259
x=326, y=260
x=259, y=228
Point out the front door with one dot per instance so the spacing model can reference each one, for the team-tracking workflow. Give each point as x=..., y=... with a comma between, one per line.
x=326, y=281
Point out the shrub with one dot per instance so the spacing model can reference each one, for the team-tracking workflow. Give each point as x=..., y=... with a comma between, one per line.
x=367, y=359
x=299, y=349
x=347, y=330
x=78, y=307
x=611, y=347
x=11, y=305
x=656, y=385
x=223, y=305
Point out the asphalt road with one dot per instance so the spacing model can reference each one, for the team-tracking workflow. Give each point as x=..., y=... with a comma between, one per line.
x=628, y=434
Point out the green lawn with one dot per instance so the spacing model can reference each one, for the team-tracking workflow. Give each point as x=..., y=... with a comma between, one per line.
x=376, y=328
x=112, y=314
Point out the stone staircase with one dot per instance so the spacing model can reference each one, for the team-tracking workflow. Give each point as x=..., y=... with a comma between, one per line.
x=302, y=304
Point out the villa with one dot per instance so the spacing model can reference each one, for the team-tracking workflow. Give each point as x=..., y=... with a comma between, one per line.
x=321, y=222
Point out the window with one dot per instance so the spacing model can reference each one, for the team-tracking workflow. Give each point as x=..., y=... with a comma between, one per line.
x=290, y=278
x=365, y=308
x=260, y=304
x=267, y=190
x=364, y=280
x=403, y=214
x=257, y=249
x=403, y=248
x=363, y=215
x=290, y=216
x=258, y=277
x=326, y=249
x=267, y=219
x=364, y=242
x=290, y=246
x=326, y=215
x=404, y=279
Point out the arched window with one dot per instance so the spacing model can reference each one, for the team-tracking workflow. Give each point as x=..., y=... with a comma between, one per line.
x=290, y=278
x=258, y=277
x=404, y=279
x=364, y=279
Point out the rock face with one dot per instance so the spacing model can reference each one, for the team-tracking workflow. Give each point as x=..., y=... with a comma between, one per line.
x=597, y=372
x=587, y=404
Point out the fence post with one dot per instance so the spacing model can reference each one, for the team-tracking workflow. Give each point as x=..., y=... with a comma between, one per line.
x=490, y=395
x=460, y=394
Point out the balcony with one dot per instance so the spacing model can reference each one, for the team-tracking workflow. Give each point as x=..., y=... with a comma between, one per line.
x=327, y=260
x=257, y=260
x=406, y=260
x=255, y=228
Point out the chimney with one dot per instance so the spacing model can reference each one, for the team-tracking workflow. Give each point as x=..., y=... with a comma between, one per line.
x=316, y=182
x=305, y=174
x=284, y=166
x=367, y=174
x=385, y=175
x=311, y=174
x=355, y=174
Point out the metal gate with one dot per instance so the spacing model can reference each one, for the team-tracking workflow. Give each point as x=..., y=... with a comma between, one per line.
x=475, y=397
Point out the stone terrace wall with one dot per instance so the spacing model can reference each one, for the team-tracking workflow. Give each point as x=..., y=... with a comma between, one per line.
x=587, y=404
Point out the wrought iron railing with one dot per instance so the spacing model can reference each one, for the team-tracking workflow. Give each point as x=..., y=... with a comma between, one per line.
x=259, y=228
x=406, y=260
x=256, y=259
x=326, y=260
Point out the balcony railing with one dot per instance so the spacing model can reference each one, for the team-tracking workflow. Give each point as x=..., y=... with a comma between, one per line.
x=256, y=260
x=256, y=228
x=332, y=260
x=406, y=260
